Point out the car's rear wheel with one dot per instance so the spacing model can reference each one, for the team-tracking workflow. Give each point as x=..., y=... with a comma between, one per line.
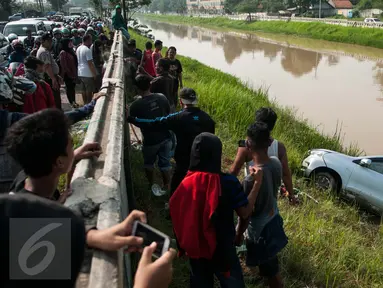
x=325, y=181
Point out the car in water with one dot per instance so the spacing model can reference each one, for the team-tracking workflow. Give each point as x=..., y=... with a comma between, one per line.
x=373, y=20
x=20, y=28
x=356, y=178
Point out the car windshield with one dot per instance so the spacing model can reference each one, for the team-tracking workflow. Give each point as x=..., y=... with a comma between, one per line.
x=20, y=29
x=48, y=27
x=376, y=20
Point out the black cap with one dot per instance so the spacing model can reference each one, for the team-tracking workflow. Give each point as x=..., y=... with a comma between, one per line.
x=132, y=42
x=188, y=96
x=46, y=36
x=157, y=42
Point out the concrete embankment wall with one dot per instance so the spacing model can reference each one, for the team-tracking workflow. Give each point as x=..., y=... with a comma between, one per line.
x=100, y=190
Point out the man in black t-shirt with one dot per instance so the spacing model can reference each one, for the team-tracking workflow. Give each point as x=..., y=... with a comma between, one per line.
x=175, y=70
x=156, y=142
x=186, y=125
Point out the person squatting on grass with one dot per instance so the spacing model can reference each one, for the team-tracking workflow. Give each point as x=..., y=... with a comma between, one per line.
x=265, y=233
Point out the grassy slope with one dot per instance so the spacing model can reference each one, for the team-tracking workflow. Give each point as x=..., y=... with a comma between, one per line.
x=329, y=245
x=352, y=35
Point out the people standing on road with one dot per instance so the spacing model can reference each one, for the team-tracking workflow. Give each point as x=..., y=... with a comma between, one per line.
x=201, y=210
x=276, y=149
x=147, y=59
x=119, y=22
x=42, y=98
x=56, y=46
x=186, y=125
x=29, y=42
x=51, y=68
x=265, y=234
x=86, y=69
x=164, y=83
x=76, y=38
x=69, y=66
x=157, y=52
x=98, y=63
x=175, y=70
x=156, y=142
x=18, y=54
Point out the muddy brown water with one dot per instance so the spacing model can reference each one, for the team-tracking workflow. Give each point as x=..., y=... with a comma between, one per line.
x=333, y=85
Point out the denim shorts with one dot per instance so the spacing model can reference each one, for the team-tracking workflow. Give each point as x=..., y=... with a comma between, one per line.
x=162, y=151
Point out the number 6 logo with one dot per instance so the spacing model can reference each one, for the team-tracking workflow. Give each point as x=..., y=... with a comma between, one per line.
x=31, y=246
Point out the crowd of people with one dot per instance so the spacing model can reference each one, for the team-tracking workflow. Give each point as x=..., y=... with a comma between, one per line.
x=70, y=54
x=202, y=197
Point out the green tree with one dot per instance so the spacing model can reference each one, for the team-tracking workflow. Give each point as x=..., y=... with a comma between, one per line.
x=178, y=6
x=97, y=5
x=57, y=4
x=248, y=6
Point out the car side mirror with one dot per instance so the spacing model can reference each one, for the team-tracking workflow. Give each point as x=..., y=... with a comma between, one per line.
x=365, y=162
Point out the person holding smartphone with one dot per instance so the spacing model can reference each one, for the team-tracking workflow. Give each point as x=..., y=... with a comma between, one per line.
x=149, y=274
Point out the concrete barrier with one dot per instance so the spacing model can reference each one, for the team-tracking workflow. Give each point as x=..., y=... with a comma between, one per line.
x=100, y=192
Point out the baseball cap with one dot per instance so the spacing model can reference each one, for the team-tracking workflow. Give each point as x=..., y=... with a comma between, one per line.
x=188, y=96
x=132, y=42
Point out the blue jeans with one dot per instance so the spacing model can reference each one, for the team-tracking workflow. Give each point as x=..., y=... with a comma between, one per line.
x=125, y=33
x=162, y=151
x=203, y=271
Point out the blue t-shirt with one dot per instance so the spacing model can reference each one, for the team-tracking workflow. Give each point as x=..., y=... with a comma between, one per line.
x=232, y=198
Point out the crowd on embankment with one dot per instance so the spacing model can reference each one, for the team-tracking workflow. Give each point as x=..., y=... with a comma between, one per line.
x=353, y=35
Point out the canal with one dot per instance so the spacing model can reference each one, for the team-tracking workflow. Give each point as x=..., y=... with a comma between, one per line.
x=337, y=87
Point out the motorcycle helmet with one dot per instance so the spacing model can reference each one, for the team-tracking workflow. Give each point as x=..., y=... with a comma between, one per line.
x=12, y=37
x=57, y=31
x=16, y=43
x=40, y=33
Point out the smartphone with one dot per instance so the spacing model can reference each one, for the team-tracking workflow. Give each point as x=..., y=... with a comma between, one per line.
x=150, y=235
x=242, y=143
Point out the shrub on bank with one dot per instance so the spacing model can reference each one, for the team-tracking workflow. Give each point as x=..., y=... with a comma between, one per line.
x=353, y=35
x=330, y=245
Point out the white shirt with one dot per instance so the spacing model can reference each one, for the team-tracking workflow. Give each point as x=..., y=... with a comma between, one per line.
x=84, y=54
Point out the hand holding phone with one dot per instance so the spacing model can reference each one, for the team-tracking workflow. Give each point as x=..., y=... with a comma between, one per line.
x=150, y=235
x=156, y=274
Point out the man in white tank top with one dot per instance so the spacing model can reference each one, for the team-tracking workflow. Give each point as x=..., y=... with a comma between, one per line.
x=277, y=149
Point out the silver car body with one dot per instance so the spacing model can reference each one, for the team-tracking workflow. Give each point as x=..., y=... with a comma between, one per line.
x=364, y=184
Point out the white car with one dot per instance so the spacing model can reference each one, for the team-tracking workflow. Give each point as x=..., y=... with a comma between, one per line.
x=20, y=28
x=357, y=178
x=372, y=20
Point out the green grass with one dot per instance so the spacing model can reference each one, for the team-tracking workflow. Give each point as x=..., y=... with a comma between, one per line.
x=331, y=244
x=353, y=35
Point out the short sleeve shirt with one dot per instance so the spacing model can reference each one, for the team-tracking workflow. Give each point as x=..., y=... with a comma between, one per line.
x=175, y=68
x=84, y=54
x=46, y=56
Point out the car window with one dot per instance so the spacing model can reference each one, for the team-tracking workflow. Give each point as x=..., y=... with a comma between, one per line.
x=41, y=26
x=20, y=29
x=377, y=165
